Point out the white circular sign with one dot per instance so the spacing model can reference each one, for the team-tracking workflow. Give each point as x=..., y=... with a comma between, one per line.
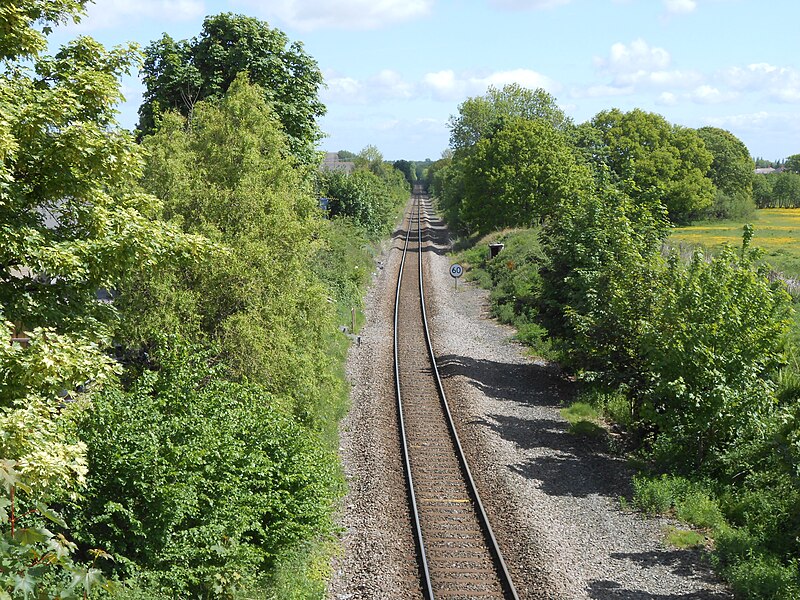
x=456, y=270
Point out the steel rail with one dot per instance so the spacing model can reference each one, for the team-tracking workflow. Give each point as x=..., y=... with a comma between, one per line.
x=427, y=587
x=502, y=569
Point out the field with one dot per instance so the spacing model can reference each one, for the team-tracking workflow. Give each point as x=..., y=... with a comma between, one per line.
x=777, y=231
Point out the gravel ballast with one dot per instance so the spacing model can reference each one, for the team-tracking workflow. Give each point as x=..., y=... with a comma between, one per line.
x=552, y=497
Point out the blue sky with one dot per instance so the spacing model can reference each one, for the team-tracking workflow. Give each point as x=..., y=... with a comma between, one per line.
x=396, y=70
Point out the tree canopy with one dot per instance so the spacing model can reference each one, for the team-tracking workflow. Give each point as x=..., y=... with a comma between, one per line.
x=478, y=116
x=732, y=167
x=649, y=156
x=178, y=74
x=72, y=221
x=519, y=174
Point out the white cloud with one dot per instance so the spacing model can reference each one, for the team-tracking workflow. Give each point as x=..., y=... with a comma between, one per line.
x=113, y=13
x=390, y=84
x=446, y=85
x=528, y=4
x=638, y=56
x=707, y=94
x=680, y=7
x=385, y=85
x=443, y=84
x=667, y=99
x=309, y=15
x=777, y=83
x=342, y=89
x=602, y=91
x=632, y=67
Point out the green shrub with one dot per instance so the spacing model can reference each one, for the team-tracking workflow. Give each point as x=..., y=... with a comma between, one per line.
x=699, y=508
x=614, y=404
x=653, y=496
x=764, y=578
x=691, y=501
x=197, y=484
x=715, y=341
x=363, y=197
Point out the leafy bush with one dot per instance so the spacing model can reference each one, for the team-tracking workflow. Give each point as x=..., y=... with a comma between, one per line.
x=684, y=538
x=716, y=340
x=699, y=508
x=364, y=197
x=228, y=176
x=614, y=404
x=599, y=284
x=753, y=574
x=197, y=484
x=691, y=501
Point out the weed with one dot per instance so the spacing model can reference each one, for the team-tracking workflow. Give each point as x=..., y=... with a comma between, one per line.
x=684, y=538
x=584, y=419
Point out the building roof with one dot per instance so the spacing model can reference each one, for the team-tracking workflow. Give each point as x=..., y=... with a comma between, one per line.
x=332, y=162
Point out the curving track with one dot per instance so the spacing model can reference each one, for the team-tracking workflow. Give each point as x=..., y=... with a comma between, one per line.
x=458, y=555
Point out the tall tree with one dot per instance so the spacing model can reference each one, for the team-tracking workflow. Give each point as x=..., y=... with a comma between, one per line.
x=228, y=177
x=653, y=158
x=478, y=115
x=792, y=163
x=519, y=175
x=71, y=221
x=732, y=172
x=179, y=74
x=732, y=167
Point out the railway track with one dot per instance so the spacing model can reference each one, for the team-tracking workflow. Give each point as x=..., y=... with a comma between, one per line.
x=457, y=553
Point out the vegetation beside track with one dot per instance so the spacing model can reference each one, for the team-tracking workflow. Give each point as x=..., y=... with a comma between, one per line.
x=691, y=357
x=179, y=440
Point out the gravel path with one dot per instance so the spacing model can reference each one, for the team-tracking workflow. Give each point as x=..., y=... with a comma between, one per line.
x=551, y=497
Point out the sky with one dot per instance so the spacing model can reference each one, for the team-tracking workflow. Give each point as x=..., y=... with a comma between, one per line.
x=396, y=71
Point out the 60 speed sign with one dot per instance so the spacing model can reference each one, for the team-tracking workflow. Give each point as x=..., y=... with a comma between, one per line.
x=456, y=270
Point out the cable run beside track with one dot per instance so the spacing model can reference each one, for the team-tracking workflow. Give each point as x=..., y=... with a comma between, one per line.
x=457, y=551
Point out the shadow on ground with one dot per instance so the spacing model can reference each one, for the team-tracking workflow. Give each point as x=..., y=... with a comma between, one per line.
x=611, y=590
x=578, y=467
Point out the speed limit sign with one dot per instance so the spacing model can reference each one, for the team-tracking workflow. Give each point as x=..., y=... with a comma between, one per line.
x=456, y=270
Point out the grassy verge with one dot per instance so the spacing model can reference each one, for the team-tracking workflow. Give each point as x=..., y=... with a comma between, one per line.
x=513, y=278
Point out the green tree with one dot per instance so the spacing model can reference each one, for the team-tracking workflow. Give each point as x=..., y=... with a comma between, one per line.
x=361, y=196
x=72, y=222
x=227, y=176
x=650, y=157
x=762, y=190
x=408, y=170
x=483, y=116
x=792, y=163
x=731, y=172
x=518, y=175
x=179, y=74
x=599, y=283
x=786, y=190
x=478, y=116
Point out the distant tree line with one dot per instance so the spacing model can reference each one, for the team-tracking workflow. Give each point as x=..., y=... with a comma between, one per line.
x=780, y=189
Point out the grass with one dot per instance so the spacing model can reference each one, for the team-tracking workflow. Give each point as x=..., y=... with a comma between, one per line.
x=584, y=419
x=777, y=231
x=684, y=538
